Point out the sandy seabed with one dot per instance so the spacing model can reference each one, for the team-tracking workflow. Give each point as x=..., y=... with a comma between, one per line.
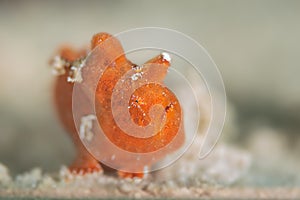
x=215, y=177
x=126, y=191
x=188, y=177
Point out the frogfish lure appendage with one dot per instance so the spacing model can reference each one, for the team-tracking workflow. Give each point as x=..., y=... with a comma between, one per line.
x=166, y=123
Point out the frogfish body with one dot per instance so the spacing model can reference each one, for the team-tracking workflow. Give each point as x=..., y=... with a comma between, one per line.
x=166, y=124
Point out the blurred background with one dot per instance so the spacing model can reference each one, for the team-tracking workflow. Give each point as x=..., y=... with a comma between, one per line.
x=255, y=44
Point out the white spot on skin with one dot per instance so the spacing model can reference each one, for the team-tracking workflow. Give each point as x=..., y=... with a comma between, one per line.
x=75, y=71
x=136, y=76
x=86, y=126
x=146, y=169
x=58, y=66
x=166, y=56
x=113, y=157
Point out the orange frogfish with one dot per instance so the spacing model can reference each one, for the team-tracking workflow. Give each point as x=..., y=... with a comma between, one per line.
x=168, y=125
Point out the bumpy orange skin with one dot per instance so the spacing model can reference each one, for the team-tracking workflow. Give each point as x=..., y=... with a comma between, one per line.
x=63, y=101
x=142, y=99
